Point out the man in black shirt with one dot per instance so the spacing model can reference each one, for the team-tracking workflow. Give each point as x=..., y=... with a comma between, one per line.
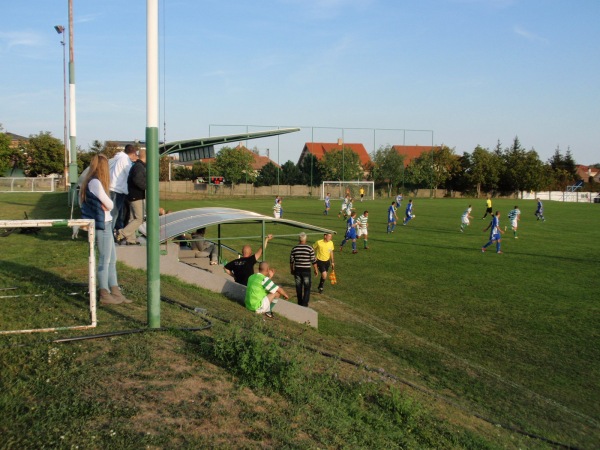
x=241, y=269
x=301, y=259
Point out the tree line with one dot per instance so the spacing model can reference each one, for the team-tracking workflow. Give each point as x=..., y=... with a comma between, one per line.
x=502, y=170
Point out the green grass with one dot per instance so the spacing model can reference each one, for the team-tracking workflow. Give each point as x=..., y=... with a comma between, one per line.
x=511, y=337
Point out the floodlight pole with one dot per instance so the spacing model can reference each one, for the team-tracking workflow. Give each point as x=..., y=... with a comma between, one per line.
x=72, y=113
x=61, y=30
x=152, y=164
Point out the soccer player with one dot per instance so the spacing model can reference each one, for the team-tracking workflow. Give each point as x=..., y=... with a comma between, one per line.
x=539, y=212
x=362, y=225
x=349, y=208
x=344, y=206
x=324, y=252
x=277, y=211
x=399, y=199
x=262, y=293
x=361, y=191
x=392, y=218
x=495, y=233
x=350, y=232
x=465, y=219
x=488, y=208
x=327, y=204
x=514, y=216
x=409, y=212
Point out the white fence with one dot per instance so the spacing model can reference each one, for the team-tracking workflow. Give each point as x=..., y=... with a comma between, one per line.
x=26, y=184
x=560, y=196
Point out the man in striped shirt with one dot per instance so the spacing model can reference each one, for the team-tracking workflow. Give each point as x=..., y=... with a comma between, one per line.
x=302, y=257
x=262, y=293
x=362, y=226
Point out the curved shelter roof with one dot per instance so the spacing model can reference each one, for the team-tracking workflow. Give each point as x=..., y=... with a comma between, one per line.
x=179, y=222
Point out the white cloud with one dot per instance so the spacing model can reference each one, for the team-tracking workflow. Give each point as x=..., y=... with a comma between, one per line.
x=520, y=31
x=12, y=39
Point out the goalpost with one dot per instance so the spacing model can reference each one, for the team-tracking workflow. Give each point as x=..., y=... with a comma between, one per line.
x=339, y=189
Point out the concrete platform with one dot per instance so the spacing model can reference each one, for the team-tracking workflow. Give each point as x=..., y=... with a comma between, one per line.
x=183, y=264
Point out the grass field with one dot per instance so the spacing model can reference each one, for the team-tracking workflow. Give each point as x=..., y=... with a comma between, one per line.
x=512, y=338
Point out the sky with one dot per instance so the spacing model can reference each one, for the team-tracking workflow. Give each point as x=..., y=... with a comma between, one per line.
x=463, y=72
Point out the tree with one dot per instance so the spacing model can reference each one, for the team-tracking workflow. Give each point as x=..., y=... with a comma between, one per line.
x=290, y=174
x=341, y=165
x=483, y=171
x=564, y=170
x=233, y=164
x=433, y=168
x=388, y=167
x=267, y=175
x=310, y=170
x=523, y=170
x=5, y=152
x=45, y=155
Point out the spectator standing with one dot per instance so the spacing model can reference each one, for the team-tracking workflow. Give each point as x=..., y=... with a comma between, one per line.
x=97, y=205
x=136, y=187
x=324, y=253
x=119, y=166
x=241, y=269
x=302, y=257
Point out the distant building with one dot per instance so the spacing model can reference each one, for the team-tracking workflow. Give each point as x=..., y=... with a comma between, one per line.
x=411, y=152
x=259, y=161
x=587, y=172
x=15, y=139
x=318, y=149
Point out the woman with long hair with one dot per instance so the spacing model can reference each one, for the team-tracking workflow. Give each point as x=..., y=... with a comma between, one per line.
x=96, y=204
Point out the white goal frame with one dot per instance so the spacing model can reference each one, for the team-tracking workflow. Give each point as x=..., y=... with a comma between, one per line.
x=90, y=224
x=338, y=189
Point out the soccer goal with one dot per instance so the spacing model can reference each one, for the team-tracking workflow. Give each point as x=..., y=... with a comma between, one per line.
x=339, y=189
x=7, y=227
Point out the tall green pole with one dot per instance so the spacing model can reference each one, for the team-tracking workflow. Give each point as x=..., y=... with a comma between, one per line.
x=152, y=117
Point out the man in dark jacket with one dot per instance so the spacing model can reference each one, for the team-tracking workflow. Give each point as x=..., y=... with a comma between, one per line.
x=136, y=184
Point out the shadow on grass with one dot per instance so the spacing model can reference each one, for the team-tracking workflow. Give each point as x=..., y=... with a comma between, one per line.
x=59, y=287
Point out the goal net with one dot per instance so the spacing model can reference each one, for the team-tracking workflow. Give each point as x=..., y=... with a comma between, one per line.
x=339, y=189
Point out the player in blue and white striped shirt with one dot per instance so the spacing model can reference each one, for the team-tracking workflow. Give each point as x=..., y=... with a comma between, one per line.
x=495, y=233
x=409, y=213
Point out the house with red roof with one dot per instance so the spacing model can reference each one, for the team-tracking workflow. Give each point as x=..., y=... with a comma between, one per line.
x=587, y=172
x=318, y=149
x=411, y=152
x=259, y=161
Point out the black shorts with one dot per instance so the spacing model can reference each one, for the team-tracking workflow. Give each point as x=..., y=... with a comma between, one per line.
x=323, y=266
x=489, y=211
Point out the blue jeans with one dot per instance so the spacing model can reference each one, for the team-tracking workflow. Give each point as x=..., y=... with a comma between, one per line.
x=303, y=281
x=118, y=212
x=107, y=257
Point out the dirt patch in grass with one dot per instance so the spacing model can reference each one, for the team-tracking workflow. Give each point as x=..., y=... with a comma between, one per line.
x=193, y=401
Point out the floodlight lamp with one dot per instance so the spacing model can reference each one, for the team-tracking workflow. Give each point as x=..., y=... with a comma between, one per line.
x=59, y=29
